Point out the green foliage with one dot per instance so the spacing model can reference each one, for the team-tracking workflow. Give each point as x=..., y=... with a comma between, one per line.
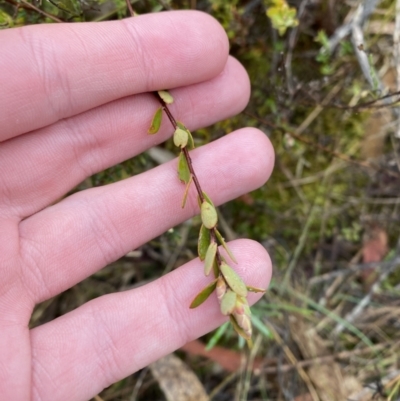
x=156, y=122
x=203, y=295
x=324, y=55
x=203, y=242
x=6, y=21
x=183, y=169
x=282, y=16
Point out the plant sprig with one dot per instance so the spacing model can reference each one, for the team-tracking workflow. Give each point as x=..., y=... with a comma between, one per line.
x=230, y=288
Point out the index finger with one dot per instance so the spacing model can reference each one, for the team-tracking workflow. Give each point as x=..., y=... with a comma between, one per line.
x=50, y=72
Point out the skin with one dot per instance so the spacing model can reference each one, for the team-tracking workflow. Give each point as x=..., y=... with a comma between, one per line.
x=73, y=103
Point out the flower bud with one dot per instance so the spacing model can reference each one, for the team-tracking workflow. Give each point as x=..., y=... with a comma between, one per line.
x=166, y=96
x=221, y=288
x=241, y=313
x=244, y=323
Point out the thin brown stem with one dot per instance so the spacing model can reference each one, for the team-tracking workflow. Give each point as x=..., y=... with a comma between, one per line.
x=185, y=152
x=131, y=10
x=191, y=169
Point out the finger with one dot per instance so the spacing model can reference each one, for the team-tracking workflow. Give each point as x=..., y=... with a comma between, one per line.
x=67, y=242
x=40, y=167
x=115, y=335
x=50, y=72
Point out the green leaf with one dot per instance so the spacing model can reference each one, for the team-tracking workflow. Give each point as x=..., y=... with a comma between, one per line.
x=183, y=169
x=207, y=198
x=190, y=141
x=224, y=244
x=6, y=21
x=204, y=242
x=210, y=258
x=190, y=137
x=216, y=336
x=262, y=328
x=185, y=194
x=166, y=96
x=181, y=138
x=228, y=302
x=215, y=268
x=203, y=295
x=233, y=279
x=156, y=121
x=282, y=16
x=209, y=215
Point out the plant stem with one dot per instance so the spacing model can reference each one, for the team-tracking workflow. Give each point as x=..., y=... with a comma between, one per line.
x=185, y=152
x=191, y=169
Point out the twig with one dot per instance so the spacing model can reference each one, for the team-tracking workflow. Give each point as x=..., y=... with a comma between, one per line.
x=191, y=169
x=328, y=358
x=300, y=246
x=131, y=10
x=357, y=39
x=230, y=289
x=292, y=42
x=32, y=7
x=351, y=269
x=138, y=384
x=396, y=45
x=352, y=316
x=318, y=109
x=292, y=359
x=361, y=14
x=223, y=384
x=243, y=394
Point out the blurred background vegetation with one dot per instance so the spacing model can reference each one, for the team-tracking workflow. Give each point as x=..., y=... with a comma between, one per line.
x=325, y=79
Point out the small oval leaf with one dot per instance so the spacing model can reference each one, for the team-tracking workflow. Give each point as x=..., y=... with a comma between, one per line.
x=181, y=138
x=203, y=295
x=228, y=302
x=215, y=268
x=190, y=137
x=156, y=121
x=183, y=169
x=185, y=194
x=221, y=239
x=166, y=96
x=207, y=198
x=209, y=215
x=210, y=258
x=190, y=141
x=233, y=279
x=204, y=242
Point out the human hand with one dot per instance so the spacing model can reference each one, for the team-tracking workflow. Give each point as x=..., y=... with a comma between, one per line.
x=73, y=103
